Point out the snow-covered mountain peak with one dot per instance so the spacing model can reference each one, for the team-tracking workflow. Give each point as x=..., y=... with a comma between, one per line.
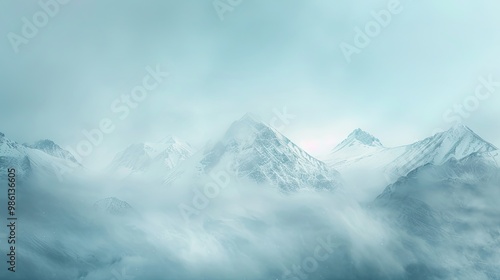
x=461, y=132
x=258, y=152
x=168, y=145
x=460, y=140
x=51, y=148
x=170, y=140
x=358, y=139
x=152, y=156
x=364, y=138
x=250, y=118
x=456, y=143
x=459, y=129
x=352, y=157
x=10, y=148
x=43, y=158
x=246, y=130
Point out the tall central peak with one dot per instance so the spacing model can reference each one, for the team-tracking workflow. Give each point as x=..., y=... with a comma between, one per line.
x=170, y=140
x=256, y=151
x=364, y=138
x=249, y=118
x=247, y=128
x=358, y=137
x=461, y=129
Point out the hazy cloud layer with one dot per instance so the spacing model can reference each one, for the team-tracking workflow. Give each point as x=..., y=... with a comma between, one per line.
x=262, y=56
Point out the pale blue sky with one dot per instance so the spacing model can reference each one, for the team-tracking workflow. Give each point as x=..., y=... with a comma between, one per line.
x=263, y=55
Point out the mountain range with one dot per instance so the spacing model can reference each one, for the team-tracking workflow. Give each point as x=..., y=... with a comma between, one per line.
x=41, y=158
x=361, y=149
x=362, y=153
x=253, y=150
x=434, y=216
x=151, y=157
x=449, y=208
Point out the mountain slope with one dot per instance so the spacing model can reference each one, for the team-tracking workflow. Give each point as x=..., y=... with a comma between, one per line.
x=43, y=158
x=151, y=157
x=51, y=148
x=358, y=138
x=451, y=208
x=358, y=146
x=252, y=150
x=458, y=142
x=13, y=155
